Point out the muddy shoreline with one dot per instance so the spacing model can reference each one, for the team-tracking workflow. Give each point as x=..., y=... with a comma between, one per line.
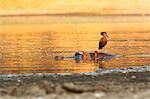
x=135, y=85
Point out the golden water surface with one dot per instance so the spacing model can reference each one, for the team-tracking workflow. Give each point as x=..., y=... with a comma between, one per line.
x=29, y=44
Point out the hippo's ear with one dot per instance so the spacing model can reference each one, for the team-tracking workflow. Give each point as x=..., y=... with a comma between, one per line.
x=58, y=58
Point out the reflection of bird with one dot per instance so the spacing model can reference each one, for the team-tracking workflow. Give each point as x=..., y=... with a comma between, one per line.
x=103, y=40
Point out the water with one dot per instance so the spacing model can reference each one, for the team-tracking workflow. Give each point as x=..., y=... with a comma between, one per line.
x=29, y=44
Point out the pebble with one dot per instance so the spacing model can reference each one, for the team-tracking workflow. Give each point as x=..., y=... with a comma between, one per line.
x=133, y=77
x=101, y=94
x=18, y=80
x=39, y=97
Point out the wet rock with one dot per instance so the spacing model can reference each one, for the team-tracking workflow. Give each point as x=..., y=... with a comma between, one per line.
x=13, y=92
x=9, y=91
x=47, y=86
x=59, y=89
x=110, y=86
x=34, y=91
x=3, y=92
x=70, y=87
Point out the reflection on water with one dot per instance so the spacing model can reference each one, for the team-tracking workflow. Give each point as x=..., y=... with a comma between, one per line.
x=29, y=44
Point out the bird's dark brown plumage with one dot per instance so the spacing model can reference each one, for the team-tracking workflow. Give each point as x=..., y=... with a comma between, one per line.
x=103, y=40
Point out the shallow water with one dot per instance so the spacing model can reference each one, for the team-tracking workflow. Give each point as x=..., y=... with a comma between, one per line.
x=29, y=44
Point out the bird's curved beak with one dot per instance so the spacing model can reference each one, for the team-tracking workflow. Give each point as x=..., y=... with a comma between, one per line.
x=107, y=35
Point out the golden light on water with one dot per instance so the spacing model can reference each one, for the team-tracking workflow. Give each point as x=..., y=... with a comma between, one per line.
x=72, y=6
x=30, y=43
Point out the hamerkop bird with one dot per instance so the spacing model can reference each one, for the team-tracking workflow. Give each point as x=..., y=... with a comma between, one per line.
x=103, y=40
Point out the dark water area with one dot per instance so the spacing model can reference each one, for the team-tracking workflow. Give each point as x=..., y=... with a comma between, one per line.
x=30, y=44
